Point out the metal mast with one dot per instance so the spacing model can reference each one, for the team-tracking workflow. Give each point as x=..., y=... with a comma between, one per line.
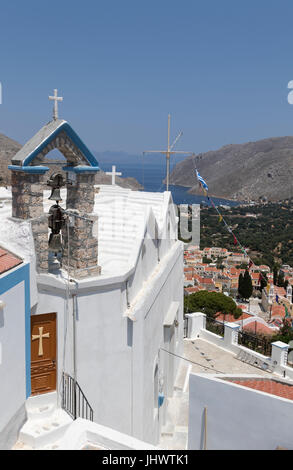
x=168, y=152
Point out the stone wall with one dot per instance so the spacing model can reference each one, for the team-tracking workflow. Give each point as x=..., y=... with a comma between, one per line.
x=27, y=195
x=27, y=203
x=83, y=246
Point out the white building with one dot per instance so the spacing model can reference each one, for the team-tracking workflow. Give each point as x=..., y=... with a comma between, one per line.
x=14, y=351
x=114, y=330
x=255, y=412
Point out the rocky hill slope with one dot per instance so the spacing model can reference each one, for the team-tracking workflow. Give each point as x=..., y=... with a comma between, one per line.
x=8, y=148
x=250, y=171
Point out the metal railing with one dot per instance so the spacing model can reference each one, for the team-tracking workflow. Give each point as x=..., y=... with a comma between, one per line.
x=185, y=327
x=257, y=343
x=215, y=326
x=74, y=401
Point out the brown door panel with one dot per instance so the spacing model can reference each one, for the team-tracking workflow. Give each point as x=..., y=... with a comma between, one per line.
x=43, y=353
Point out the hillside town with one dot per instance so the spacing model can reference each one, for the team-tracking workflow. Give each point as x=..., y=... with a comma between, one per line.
x=266, y=309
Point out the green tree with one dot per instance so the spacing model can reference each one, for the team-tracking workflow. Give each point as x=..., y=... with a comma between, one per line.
x=240, y=282
x=246, y=287
x=211, y=303
x=263, y=281
x=280, y=281
x=275, y=272
x=286, y=332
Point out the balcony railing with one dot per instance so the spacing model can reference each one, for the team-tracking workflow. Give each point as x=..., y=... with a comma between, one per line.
x=257, y=343
x=74, y=401
x=215, y=326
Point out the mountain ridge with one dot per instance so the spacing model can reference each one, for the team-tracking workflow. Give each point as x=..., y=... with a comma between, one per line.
x=251, y=171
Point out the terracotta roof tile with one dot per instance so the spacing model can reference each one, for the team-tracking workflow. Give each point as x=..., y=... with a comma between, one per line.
x=278, y=311
x=259, y=328
x=8, y=261
x=272, y=387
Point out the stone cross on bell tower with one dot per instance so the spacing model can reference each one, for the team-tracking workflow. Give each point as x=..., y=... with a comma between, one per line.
x=55, y=98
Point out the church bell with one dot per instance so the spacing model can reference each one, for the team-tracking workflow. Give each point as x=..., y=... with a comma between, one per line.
x=56, y=220
x=55, y=195
x=55, y=243
x=56, y=223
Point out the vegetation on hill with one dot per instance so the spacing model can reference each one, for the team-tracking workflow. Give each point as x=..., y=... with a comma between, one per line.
x=266, y=230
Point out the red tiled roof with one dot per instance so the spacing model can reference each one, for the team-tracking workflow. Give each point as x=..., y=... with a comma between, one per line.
x=273, y=387
x=278, y=311
x=279, y=290
x=191, y=290
x=188, y=269
x=8, y=261
x=228, y=317
x=259, y=328
x=206, y=280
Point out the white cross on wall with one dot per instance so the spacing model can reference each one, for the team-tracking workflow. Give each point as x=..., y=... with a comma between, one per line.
x=55, y=98
x=113, y=173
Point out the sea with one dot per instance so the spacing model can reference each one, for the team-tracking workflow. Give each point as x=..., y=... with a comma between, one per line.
x=151, y=177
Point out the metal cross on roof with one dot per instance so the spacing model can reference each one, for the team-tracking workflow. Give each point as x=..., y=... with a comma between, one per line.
x=169, y=152
x=55, y=98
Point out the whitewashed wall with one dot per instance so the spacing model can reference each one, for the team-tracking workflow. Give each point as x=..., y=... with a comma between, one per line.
x=238, y=418
x=12, y=363
x=116, y=355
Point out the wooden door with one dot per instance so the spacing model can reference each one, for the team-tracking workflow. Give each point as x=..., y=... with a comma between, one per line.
x=43, y=353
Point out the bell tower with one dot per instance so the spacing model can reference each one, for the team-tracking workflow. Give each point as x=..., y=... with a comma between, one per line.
x=69, y=232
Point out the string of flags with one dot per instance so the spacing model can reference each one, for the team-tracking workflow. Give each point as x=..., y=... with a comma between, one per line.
x=205, y=188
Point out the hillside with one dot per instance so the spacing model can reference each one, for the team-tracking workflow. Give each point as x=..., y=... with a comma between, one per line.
x=265, y=230
x=242, y=171
x=8, y=149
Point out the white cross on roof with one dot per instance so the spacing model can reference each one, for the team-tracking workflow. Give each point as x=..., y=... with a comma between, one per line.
x=55, y=98
x=113, y=173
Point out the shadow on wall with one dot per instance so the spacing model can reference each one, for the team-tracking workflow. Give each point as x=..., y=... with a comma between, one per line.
x=203, y=434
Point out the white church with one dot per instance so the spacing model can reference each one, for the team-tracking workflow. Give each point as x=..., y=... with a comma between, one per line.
x=91, y=299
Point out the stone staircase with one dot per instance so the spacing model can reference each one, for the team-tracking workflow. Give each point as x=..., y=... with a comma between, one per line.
x=255, y=361
x=174, y=433
x=46, y=423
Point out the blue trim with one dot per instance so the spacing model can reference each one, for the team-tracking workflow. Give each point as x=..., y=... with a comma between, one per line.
x=73, y=136
x=8, y=281
x=40, y=170
x=81, y=169
x=160, y=400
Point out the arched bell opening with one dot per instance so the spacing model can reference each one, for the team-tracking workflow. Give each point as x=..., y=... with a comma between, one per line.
x=56, y=148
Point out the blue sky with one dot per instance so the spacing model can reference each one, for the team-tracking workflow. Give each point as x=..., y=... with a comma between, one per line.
x=221, y=68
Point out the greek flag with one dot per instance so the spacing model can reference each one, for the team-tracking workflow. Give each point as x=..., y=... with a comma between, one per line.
x=201, y=181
